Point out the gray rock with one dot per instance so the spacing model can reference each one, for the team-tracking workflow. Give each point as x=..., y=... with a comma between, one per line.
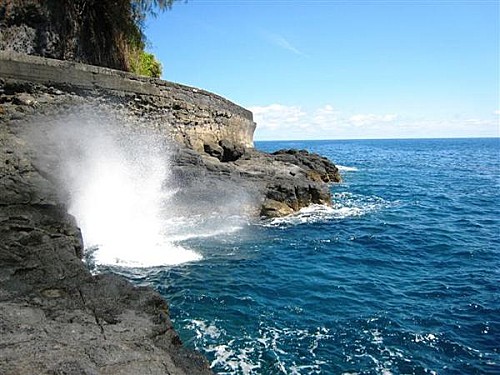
x=24, y=99
x=271, y=208
x=231, y=151
x=266, y=179
x=214, y=150
x=318, y=167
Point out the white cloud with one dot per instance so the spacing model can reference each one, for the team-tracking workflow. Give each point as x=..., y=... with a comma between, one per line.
x=476, y=122
x=325, y=116
x=497, y=112
x=279, y=121
x=371, y=119
x=278, y=116
x=281, y=42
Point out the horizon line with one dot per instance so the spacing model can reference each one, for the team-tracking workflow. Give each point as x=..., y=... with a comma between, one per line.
x=373, y=139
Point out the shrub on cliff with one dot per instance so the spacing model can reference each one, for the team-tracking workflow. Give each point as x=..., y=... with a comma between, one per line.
x=145, y=64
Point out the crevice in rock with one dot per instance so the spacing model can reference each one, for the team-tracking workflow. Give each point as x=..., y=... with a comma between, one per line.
x=94, y=313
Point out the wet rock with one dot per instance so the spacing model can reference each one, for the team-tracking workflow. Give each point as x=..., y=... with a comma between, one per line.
x=24, y=99
x=231, y=151
x=265, y=179
x=271, y=208
x=318, y=167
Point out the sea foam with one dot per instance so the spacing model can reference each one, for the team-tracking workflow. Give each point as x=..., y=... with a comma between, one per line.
x=344, y=168
x=344, y=205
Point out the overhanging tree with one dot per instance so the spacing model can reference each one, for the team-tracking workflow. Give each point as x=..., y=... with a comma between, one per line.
x=99, y=32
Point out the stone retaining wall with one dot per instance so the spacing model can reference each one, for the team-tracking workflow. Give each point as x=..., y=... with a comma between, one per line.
x=189, y=115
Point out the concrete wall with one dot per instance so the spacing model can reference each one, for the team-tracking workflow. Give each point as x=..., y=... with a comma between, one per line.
x=189, y=115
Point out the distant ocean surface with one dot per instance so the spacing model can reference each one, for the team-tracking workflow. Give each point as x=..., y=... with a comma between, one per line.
x=400, y=276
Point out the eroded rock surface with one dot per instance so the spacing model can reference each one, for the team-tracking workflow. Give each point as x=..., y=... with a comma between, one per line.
x=275, y=184
x=187, y=115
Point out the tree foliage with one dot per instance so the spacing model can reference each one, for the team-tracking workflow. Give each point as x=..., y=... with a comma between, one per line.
x=121, y=22
x=141, y=8
x=140, y=61
x=98, y=32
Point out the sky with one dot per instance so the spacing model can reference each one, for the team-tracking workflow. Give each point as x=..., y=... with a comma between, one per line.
x=338, y=69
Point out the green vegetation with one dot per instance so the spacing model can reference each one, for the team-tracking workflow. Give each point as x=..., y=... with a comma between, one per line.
x=145, y=64
x=138, y=60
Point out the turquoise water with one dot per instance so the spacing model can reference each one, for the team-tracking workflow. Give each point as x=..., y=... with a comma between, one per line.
x=400, y=276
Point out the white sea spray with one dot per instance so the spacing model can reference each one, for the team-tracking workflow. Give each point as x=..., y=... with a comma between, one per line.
x=116, y=179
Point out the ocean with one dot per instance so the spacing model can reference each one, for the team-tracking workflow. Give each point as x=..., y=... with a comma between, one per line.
x=400, y=276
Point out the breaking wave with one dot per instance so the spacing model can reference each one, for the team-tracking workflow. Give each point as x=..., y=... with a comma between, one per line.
x=344, y=205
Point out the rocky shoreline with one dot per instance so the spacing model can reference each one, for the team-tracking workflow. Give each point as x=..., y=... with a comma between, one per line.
x=55, y=316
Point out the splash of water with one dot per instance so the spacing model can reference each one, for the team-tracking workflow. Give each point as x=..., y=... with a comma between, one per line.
x=119, y=202
x=345, y=168
x=115, y=179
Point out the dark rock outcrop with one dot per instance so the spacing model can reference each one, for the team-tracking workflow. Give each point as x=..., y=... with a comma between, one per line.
x=275, y=184
x=318, y=167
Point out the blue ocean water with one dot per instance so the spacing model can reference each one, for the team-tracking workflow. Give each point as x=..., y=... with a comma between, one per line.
x=400, y=276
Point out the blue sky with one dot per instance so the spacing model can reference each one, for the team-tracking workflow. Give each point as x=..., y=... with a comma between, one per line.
x=327, y=69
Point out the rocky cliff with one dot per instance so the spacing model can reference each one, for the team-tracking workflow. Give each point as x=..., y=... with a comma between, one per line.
x=55, y=317
x=190, y=116
x=213, y=136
